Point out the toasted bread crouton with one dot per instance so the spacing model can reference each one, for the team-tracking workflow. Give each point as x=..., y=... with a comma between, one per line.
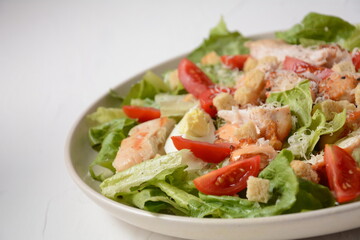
x=330, y=107
x=224, y=101
x=268, y=63
x=258, y=189
x=304, y=170
x=210, y=59
x=344, y=67
x=250, y=88
x=247, y=130
x=250, y=64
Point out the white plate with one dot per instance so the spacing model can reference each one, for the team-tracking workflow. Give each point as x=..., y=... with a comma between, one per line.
x=79, y=154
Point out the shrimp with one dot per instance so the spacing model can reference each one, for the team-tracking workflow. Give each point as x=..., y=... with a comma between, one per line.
x=145, y=141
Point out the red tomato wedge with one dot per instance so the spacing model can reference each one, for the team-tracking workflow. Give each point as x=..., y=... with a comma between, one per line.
x=208, y=152
x=194, y=80
x=299, y=66
x=143, y=114
x=235, y=61
x=342, y=173
x=230, y=179
x=206, y=99
x=356, y=60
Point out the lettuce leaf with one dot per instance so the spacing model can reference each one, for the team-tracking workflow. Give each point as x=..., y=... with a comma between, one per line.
x=103, y=114
x=150, y=85
x=304, y=140
x=154, y=200
x=321, y=28
x=107, y=138
x=353, y=41
x=299, y=100
x=221, y=74
x=311, y=196
x=194, y=205
x=131, y=179
x=222, y=41
x=98, y=133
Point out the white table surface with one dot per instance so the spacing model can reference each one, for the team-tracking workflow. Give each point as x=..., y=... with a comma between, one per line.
x=57, y=57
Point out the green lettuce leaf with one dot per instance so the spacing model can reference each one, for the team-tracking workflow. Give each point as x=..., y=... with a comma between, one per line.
x=304, y=140
x=353, y=41
x=154, y=200
x=321, y=28
x=311, y=196
x=221, y=75
x=222, y=41
x=103, y=114
x=107, y=139
x=195, y=206
x=299, y=100
x=148, y=87
x=144, y=102
x=131, y=179
x=98, y=133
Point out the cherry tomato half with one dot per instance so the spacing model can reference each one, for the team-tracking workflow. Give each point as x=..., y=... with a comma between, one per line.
x=230, y=179
x=194, y=80
x=299, y=66
x=356, y=60
x=143, y=114
x=206, y=98
x=342, y=173
x=208, y=152
x=234, y=61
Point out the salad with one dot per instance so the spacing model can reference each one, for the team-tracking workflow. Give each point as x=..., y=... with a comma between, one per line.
x=241, y=128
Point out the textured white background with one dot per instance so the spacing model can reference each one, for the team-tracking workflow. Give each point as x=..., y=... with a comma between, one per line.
x=57, y=57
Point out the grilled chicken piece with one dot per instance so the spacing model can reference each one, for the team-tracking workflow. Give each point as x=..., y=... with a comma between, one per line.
x=273, y=124
x=339, y=87
x=325, y=55
x=145, y=141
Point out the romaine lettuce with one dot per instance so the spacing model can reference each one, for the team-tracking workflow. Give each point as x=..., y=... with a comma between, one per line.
x=107, y=138
x=304, y=140
x=148, y=87
x=321, y=28
x=103, y=114
x=156, y=169
x=299, y=100
x=222, y=42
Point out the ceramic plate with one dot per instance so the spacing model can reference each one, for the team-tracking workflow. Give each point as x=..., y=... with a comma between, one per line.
x=79, y=154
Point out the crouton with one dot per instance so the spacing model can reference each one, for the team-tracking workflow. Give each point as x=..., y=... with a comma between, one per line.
x=330, y=107
x=304, y=170
x=250, y=88
x=247, y=130
x=210, y=59
x=268, y=63
x=244, y=95
x=250, y=64
x=344, y=67
x=224, y=101
x=258, y=189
